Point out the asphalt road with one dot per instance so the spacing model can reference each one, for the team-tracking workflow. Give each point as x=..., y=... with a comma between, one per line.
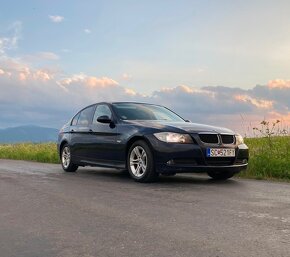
x=97, y=212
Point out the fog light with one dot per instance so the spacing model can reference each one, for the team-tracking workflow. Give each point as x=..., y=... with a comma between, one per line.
x=170, y=162
x=244, y=161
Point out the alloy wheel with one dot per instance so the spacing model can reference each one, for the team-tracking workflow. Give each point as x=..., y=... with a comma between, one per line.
x=138, y=161
x=65, y=158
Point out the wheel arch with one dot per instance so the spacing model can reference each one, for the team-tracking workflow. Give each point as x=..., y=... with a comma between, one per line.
x=64, y=142
x=133, y=140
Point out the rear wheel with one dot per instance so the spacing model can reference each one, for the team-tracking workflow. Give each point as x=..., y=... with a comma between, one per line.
x=140, y=162
x=66, y=159
x=221, y=175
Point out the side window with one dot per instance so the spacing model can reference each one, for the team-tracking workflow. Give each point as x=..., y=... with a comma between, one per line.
x=75, y=120
x=102, y=110
x=86, y=116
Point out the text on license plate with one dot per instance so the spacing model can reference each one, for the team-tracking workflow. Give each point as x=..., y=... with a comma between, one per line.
x=220, y=152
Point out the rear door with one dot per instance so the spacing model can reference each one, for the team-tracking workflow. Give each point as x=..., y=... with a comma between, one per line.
x=81, y=134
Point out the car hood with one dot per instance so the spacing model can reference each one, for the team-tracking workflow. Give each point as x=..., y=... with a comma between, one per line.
x=182, y=126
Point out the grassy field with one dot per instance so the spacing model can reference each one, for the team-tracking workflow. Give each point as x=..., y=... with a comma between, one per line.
x=45, y=152
x=269, y=157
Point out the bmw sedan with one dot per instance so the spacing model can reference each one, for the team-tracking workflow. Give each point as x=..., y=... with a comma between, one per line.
x=148, y=140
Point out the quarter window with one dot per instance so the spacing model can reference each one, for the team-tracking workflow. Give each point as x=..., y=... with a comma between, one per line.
x=86, y=116
x=75, y=120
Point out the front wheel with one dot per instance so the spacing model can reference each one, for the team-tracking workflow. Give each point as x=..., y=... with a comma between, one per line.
x=221, y=175
x=66, y=159
x=140, y=162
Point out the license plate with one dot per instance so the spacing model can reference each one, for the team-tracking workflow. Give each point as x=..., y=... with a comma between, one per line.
x=220, y=152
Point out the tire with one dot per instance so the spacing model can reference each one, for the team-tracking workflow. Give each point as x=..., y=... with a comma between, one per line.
x=140, y=162
x=66, y=159
x=221, y=175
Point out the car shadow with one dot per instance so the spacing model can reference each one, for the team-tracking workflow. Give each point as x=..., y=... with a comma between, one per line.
x=179, y=179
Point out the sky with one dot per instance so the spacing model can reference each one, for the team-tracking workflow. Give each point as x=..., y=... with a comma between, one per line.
x=225, y=63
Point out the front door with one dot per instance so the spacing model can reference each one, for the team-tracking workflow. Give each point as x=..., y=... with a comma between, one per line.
x=104, y=146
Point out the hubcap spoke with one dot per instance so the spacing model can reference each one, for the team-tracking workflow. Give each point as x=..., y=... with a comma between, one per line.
x=134, y=162
x=143, y=155
x=136, y=151
x=143, y=167
x=138, y=170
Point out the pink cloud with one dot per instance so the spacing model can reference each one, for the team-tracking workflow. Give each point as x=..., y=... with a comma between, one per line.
x=42, y=75
x=26, y=74
x=284, y=118
x=259, y=103
x=41, y=91
x=189, y=90
x=129, y=91
x=101, y=82
x=5, y=73
x=88, y=81
x=279, y=83
x=22, y=76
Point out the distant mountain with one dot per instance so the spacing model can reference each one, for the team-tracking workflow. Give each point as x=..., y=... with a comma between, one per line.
x=33, y=134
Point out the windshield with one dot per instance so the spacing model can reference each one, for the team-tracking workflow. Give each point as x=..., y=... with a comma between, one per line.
x=136, y=111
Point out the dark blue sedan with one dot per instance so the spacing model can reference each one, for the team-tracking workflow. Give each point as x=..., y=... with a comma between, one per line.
x=148, y=140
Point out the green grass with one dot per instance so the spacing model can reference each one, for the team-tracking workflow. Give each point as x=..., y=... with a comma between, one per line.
x=42, y=152
x=269, y=159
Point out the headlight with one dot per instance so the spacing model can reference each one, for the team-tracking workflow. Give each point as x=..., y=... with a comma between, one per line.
x=239, y=139
x=169, y=137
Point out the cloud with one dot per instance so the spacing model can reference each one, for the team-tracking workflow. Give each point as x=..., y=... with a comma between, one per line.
x=264, y=104
x=126, y=76
x=87, y=31
x=56, y=18
x=131, y=92
x=235, y=108
x=48, y=55
x=88, y=81
x=189, y=90
x=279, y=83
x=40, y=57
x=9, y=41
x=50, y=98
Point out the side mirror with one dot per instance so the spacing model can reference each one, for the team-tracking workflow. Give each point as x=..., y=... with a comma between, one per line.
x=187, y=121
x=104, y=119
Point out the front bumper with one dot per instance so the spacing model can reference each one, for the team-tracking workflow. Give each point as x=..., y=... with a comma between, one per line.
x=168, y=169
x=178, y=158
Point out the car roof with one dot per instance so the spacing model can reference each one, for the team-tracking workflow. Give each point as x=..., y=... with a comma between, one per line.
x=131, y=102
